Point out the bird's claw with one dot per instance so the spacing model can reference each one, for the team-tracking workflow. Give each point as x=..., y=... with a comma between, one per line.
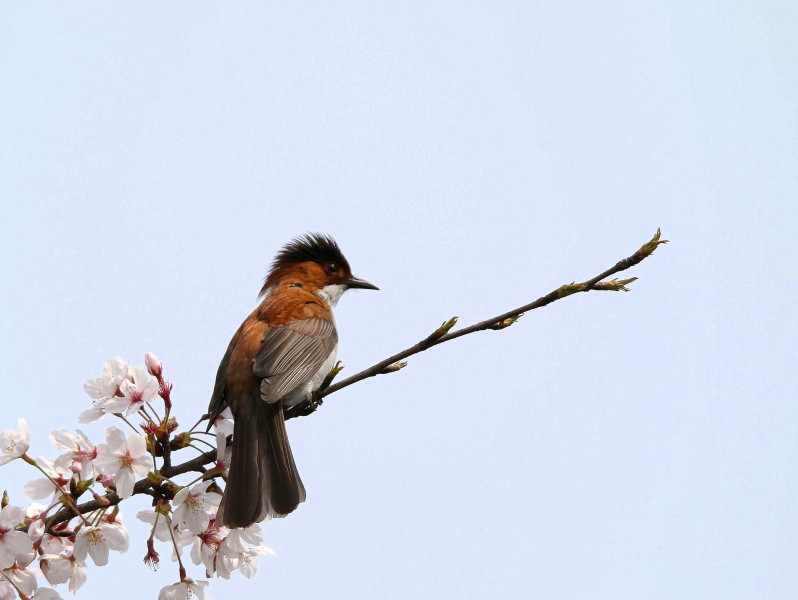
x=315, y=401
x=306, y=408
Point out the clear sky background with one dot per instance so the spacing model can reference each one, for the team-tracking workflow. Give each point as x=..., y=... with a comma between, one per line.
x=468, y=157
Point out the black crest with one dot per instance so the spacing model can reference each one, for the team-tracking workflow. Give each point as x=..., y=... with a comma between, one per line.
x=311, y=247
x=314, y=247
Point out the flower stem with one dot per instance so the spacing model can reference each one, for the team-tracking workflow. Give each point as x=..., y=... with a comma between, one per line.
x=121, y=416
x=66, y=496
x=177, y=550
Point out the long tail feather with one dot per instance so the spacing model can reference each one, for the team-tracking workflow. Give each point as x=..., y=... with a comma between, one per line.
x=263, y=480
x=279, y=476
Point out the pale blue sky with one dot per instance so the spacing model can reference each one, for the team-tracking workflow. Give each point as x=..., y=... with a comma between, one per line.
x=469, y=157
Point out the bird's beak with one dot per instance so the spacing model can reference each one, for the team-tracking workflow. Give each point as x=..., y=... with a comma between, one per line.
x=360, y=284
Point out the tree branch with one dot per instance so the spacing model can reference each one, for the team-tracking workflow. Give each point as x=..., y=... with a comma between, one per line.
x=142, y=486
x=442, y=334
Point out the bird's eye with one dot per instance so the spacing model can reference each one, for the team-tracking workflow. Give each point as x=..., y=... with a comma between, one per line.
x=331, y=268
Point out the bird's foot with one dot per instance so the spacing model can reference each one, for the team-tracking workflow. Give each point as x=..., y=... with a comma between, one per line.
x=308, y=407
x=315, y=400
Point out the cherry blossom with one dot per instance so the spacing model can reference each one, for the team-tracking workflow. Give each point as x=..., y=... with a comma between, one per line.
x=114, y=519
x=97, y=541
x=24, y=579
x=77, y=452
x=36, y=531
x=53, y=544
x=78, y=577
x=60, y=569
x=224, y=422
x=233, y=554
x=107, y=385
x=251, y=535
x=224, y=453
x=192, y=506
x=14, y=444
x=81, y=468
x=222, y=550
x=48, y=543
x=124, y=459
x=184, y=589
x=34, y=511
x=137, y=389
x=55, y=568
x=206, y=546
x=243, y=560
x=44, y=486
x=13, y=544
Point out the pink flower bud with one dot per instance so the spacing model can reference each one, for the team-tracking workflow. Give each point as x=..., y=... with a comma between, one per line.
x=105, y=480
x=154, y=366
x=102, y=500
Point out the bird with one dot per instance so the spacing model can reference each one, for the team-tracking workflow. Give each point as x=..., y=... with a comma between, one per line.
x=277, y=358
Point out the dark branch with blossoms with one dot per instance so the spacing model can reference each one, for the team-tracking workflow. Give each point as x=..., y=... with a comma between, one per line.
x=66, y=529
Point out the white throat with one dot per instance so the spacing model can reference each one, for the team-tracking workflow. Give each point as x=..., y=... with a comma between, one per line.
x=331, y=293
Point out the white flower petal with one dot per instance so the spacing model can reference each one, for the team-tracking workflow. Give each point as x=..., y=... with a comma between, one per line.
x=116, y=406
x=115, y=438
x=24, y=429
x=90, y=415
x=148, y=516
x=7, y=591
x=81, y=547
x=63, y=462
x=141, y=465
x=36, y=530
x=39, y=488
x=11, y=516
x=14, y=444
x=44, y=593
x=124, y=480
x=78, y=576
x=56, y=569
x=181, y=496
x=137, y=445
x=7, y=556
x=24, y=580
x=252, y=534
x=99, y=554
x=106, y=462
x=13, y=546
x=184, y=589
x=83, y=441
x=117, y=537
x=63, y=440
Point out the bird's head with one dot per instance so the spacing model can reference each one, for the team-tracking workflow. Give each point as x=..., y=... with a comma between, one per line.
x=315, y=262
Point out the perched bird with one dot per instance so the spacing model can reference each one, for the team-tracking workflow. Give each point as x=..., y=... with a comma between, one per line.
x=277, y=359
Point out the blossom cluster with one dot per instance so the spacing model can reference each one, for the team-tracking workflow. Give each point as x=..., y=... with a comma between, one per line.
x=55, y=538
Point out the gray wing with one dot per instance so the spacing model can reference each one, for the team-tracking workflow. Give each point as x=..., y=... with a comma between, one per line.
x=218, y=401
x=290, y=355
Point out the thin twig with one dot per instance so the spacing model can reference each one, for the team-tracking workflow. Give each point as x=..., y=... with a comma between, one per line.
x=442, y=334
